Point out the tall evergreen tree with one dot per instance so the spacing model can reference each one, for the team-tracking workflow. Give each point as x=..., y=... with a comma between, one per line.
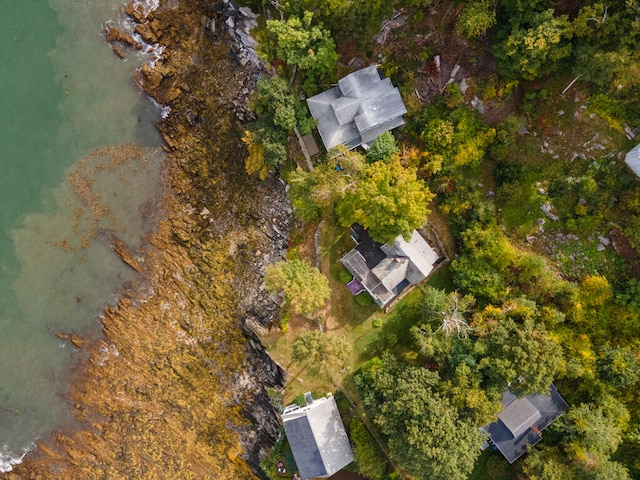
x=423, y=431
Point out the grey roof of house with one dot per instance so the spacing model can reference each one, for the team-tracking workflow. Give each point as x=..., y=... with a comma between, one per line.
x=633, y=159
x=518, y=416
x=356, y=264
x=371, y=250
x=391, y=271
x=317, y=437
x=422, y=256
x=383, y=270
x=512, y=432
x=358, y=109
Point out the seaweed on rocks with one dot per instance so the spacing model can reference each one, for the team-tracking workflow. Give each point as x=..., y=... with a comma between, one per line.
x=177, y=388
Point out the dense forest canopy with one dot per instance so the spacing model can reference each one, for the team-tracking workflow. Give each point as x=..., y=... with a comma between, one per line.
x=522, y=159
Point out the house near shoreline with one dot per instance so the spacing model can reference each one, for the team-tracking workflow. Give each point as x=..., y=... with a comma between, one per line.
x=522, y=421
x=317, y=437
x=385, y=271
x=363, y=105
x=633, y=159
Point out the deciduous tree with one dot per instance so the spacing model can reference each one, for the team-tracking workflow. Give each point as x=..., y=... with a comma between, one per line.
x=443, y=314
x=595, y=290
x=388, y=201
x=297, y=41
x=348, y=19
x=594, y=432
x=301, y=185
x=458, y=136
x=369, y=460
x=305, y=287
x=383, y=147
x=535, y=46
x=476, y=18
x=282, y=107
x=322, y=350
x=279, y=111
x=618, y=367
x=519, y=354
x=314, y=194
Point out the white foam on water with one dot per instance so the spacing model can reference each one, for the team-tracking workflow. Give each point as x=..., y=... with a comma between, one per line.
x=164, y=110
x=150, y=53
x=153, y=52
x=146, y=7
x=9, y=459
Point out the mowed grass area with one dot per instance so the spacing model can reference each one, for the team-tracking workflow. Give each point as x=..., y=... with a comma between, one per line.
x=342, y=316
x=368, y=329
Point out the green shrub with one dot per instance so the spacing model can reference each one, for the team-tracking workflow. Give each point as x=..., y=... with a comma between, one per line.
x=364, y=299
x=609, y=110
x=377, y=322
x=454, y=95
x=369, y=460
x=497, y=468
x=275, y=398
x=345, y=276
x=284, y=320
x=268, y=465
x=382, y=148
x=632, y=232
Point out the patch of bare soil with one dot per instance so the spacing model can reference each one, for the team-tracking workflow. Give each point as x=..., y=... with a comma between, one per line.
x=303, y=240
x=496, y=113
x=626, y=251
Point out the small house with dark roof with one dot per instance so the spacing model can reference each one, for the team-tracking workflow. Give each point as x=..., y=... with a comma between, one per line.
x=317, y=437
x=385, y=271
x=522, y=421
x=633, y=159
x=363, y=105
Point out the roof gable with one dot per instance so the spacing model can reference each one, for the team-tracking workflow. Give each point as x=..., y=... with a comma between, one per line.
x=391, y=271
x=379, y=107
x=422, y=256
x=519, y=416
x=358, y=109
x=385, y=270
x=521, y=421
x=317, y=438
x=306, y=452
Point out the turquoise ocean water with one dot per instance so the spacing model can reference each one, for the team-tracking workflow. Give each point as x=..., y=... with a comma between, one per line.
x=67, y=105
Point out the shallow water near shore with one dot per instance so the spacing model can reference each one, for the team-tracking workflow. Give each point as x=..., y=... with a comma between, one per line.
x=68, y=110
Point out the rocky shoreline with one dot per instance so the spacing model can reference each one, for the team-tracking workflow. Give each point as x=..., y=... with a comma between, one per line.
x=178, y=386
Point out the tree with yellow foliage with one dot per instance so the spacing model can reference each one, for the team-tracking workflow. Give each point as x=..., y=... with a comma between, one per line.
x=254, y=163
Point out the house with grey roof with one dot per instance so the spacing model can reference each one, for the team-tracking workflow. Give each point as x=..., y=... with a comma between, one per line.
x=317, y=437
x=385, y=271
x=522, y=421
x=633, y=159
x=363, y=105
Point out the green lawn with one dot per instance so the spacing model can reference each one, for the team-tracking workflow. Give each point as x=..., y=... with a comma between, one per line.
x=369, y=330
x=442, y=278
